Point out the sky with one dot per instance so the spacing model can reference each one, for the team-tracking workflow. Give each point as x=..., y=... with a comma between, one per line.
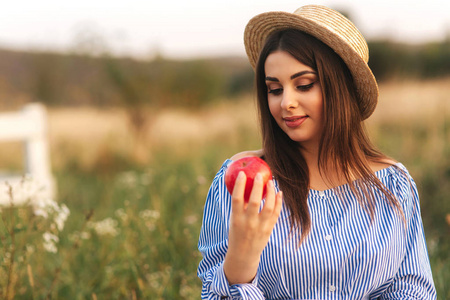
x=193, y=28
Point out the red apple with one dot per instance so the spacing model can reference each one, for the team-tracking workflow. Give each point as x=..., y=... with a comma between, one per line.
x=251, y=166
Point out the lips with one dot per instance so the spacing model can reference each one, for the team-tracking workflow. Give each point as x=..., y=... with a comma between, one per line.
x=294, y=121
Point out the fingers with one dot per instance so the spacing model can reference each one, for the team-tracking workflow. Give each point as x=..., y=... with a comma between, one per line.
x=237, y=197
x=273, y=203
x=270, y=198
x=278, y=205
x=254, y=202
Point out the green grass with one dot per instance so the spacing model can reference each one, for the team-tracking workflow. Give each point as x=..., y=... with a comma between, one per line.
x=424, y=148
x=132, y=230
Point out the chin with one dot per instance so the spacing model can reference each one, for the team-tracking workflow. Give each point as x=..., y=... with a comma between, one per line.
x=302, y=139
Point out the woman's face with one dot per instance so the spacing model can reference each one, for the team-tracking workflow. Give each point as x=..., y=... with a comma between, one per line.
x=295, y=98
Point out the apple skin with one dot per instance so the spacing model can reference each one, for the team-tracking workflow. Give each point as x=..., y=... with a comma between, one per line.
x=251, y=166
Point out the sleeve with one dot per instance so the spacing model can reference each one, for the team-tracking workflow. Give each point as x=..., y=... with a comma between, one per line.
x=414, y=279
x=213, y=245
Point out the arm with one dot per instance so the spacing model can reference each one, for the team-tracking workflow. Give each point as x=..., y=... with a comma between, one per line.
x=216, y=249
x=414, y=279
x=250, y=229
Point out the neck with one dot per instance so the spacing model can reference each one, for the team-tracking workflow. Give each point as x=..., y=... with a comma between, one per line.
x=320, y=181
x=311, y=156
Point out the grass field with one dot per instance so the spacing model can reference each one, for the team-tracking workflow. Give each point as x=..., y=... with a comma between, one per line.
x=131, y=203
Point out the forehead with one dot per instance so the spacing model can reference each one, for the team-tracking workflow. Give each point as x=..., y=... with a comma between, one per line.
x=283, y=63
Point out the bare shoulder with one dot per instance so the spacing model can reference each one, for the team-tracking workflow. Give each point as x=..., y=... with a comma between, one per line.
x=383, y=164
x=257, y=153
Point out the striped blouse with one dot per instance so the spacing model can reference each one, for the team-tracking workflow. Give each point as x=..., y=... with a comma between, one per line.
x=345, y=256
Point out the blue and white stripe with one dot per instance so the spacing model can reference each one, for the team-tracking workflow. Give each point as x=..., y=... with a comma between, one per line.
x=346, y=255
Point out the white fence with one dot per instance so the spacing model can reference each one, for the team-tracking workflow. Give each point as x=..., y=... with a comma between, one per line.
x=36, y=182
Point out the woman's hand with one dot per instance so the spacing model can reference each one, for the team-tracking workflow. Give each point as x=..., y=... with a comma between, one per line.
x=250, y=229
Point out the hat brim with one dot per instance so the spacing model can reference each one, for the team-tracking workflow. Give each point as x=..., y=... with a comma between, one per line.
x=262, y=25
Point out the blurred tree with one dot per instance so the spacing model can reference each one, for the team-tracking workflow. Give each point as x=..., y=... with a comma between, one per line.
x=241, y=82
x=94, y=77
x=390, y=59
x=137, y=93
x=187, y=83
x=48, y=80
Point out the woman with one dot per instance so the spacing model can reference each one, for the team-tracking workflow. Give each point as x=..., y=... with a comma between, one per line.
x=340, y=220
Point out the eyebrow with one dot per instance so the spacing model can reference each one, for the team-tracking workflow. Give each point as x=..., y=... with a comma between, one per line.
x=268, y=78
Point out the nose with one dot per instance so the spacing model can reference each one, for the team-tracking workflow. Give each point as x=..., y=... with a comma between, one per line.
x=288, y=101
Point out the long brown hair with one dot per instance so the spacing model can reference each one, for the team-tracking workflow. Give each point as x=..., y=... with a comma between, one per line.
x=344, y=145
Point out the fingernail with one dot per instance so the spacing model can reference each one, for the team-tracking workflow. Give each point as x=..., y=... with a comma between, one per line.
x=241, y=174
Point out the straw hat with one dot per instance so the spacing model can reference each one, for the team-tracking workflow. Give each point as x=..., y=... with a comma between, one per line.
x=331, y=28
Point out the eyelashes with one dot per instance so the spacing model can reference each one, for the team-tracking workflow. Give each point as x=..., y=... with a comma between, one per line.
x=307, y=87
x=275, y=92
x=302, y=88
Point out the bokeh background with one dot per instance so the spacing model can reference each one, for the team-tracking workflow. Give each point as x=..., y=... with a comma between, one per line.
x=146, y=99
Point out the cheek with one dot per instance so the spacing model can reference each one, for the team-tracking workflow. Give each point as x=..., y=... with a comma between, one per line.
x=276, y=112
x=318, y=107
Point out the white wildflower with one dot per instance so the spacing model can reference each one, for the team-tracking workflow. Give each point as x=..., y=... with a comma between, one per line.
x=85, y=235
x=154, y=279
x=30, y=248
x=191, y=219
x=46, y=207
x=121, y=214
x=62, y=213
x=75, y=236
x=50, y=247
x=132, y=179
x=50, y=241
x=128, y=179
x=149, y=214
x=201, y=180
x=41, y=213
x=22, y=190
x=48, y=237
x=107, y=226
x=42, y=207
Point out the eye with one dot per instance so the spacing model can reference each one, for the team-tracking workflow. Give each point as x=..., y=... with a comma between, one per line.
x=306, y=87
x=275, y=92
